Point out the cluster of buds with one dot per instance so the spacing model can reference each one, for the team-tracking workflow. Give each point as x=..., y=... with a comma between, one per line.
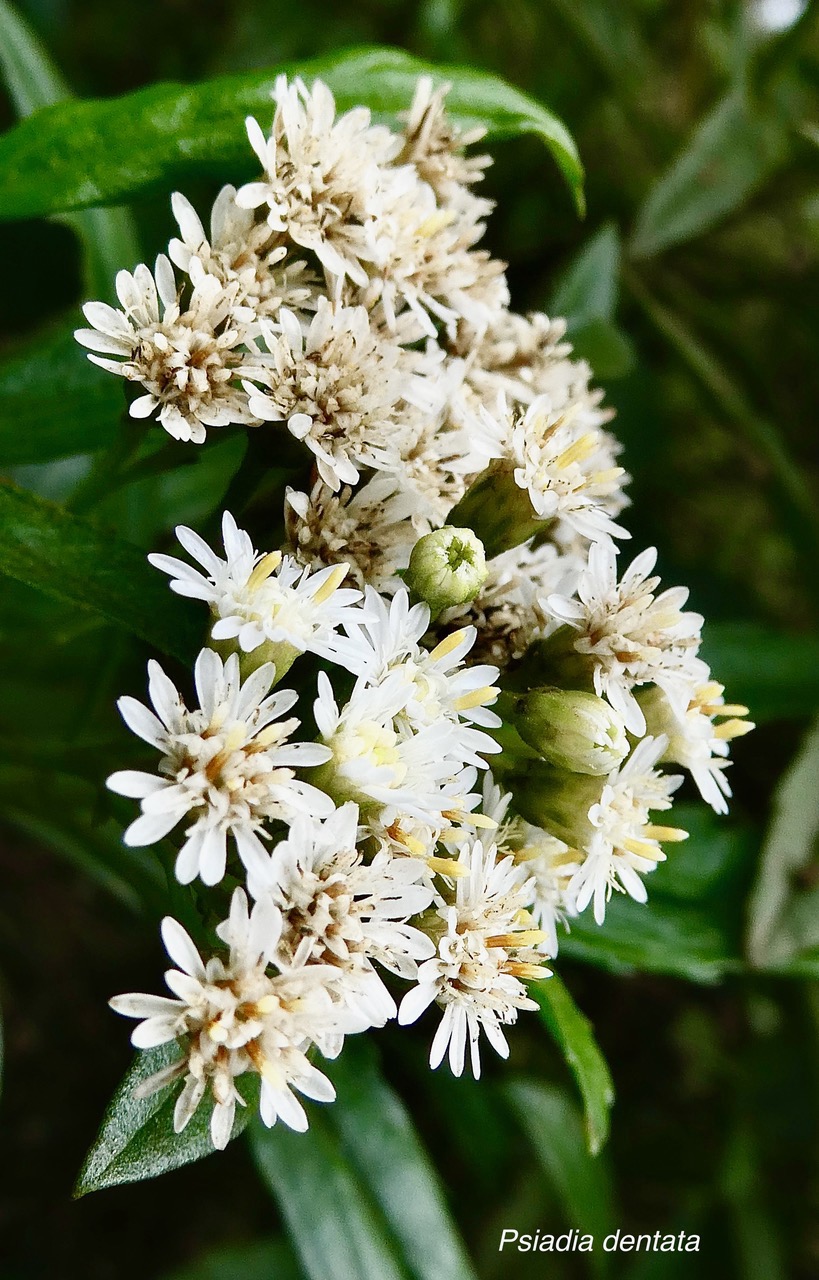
x=445, y=594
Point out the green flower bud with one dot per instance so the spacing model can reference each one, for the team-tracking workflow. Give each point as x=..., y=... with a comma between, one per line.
x=446, y=568
x=557, y=801
x=572, y=730
x=499, y=512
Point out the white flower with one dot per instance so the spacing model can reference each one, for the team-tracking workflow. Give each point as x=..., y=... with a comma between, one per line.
x=187, y=361
x=632, y=636
x=439, y=687
x=550, y=864
x=700, y=738
x=567, y=465
x=522, y=357
x=256, y=598
x=625, y=844
x=229, y=1016
x=243, y=254
x=380, y=766
x=321, y=174
x=435, y=145
x=485, y=948
x=341, y=388
x=344, y=913
x=370, y=529
x=227, y=766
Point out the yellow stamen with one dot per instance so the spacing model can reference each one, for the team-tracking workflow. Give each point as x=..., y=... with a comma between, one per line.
x=733, y=729
x=732, y=709
x=673, y=834
x=477, y=698
x=412, y=843
x=482, y=821
x=523, y=938
x=644, y=850
x=447, y=867
x=332, y=582
x=520, y=970
x=445, y=646
x=580, y=449
x=267, y=565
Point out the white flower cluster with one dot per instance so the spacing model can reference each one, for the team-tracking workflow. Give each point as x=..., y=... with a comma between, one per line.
x=450, y=533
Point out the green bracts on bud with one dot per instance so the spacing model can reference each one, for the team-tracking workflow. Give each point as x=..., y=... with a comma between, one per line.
x=571, y=730
x=499, y=512
x=557, y=801
x=446, y=568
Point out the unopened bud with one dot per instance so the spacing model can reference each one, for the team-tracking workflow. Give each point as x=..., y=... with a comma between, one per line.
x=499, y=512
x=557, y=801
x=446, y=568
x=572, y=730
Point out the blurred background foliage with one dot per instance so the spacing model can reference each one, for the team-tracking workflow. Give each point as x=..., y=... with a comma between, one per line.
x=692, y=286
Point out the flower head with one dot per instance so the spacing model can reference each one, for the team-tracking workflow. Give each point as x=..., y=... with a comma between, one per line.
x=231, y=1016
x=228, y=766
x=485, y=947
x=257, y=598
x=630, y=635
x=186, y=360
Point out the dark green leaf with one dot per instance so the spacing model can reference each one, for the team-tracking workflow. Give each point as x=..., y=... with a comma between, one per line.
x=54, y=402
x=108, y=235
x=257, y=1260
x=88, y=153
x=553, y=1125
x=136, y=1139
x=784, y=908
x=775, y=673
x=736, y=148
x=573, y=1032
x=44, y=546
x=589, y=288
x=380, y=1139
x=335, y=1229
x=607, y=349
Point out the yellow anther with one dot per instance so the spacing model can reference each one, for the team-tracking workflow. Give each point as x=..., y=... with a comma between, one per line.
x=732, y=709
x=644, y=850
x=447, y=867
x=579, y=449
x=519, y=969
x=446, y=646
x=672, y=834
x=267, y=565
x=482, y=821
x=477, y=698
x=523, y=938
x=331, y=584
x=733, y=729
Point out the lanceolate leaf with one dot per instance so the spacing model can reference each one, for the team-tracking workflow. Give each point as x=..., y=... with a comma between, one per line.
x=379, y=1137
x=784, y=909
x=553, y=1126
x=336, y=1230
x=46, y=547
x=137, y=1141
x=108, y=235
x=736, y=148
x=54, y=402
x=101, y=152
x=573, y=1032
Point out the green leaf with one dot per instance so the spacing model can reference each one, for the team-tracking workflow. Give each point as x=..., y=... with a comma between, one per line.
x=334, y=1227
x=380, y=1140
x=573, y=1033
x=54, y=402
x=136, y=1139
x=108, y=235
x=736, y=148
x=607, y=349
x=257, y=1260
x=554, y=1127
x=775, y=673
x=101, y=152
x=784, y=908
x=589, y=288
x=43, y=545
